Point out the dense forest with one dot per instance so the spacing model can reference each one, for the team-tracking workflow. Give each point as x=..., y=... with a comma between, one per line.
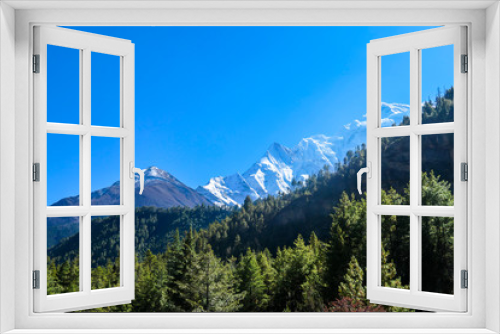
x=154, y=229
x=304, y=251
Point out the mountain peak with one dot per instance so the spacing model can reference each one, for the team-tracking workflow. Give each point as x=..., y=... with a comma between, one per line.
x=154, y=173
x=274, y=171
x=277, y=147
x=279, y=153
x=161, y=189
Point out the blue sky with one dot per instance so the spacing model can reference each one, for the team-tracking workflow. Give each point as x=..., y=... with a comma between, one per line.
x=211, y=100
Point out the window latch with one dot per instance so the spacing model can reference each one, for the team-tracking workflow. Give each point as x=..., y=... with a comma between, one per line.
x=368, y=171
x=139, y=171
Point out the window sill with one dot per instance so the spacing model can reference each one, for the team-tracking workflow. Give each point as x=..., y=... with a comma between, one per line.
x=250, y=331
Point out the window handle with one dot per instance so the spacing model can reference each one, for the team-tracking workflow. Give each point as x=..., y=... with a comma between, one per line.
x=139, y=171
x=368, y=171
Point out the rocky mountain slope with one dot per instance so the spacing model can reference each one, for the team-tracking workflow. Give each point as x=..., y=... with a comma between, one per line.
x=275, y=172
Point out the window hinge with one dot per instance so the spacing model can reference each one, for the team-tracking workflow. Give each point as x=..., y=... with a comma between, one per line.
x=465, y=279
x=464, y=171
x=36, y=279
x=36, y=63
x=36, y=172
x=465, y=64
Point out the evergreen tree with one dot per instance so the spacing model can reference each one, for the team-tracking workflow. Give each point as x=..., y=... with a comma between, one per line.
x=353, y=285
x=268, y=272
x=218, y=293
x=347, y=239
x=251, y=283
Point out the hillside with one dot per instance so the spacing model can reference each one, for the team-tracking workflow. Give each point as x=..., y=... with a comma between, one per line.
x=161, y=190
x=154, y=229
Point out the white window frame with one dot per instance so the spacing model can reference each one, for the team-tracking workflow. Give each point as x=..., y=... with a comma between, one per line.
x=483, y=101
x=86, y=44
x=414, y=43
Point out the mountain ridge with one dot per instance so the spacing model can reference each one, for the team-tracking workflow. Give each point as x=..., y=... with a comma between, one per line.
x=279, y=166
x=161, y=189
x=272, y=174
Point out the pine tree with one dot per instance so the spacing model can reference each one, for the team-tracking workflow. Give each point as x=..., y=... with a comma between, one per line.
x=150, y=288
x=268, y=272
x=251, y=283
x=298, y=284
x=188, y=285
x=353, y=284
x=218, y=292
x=53, y=285
x=347, y=239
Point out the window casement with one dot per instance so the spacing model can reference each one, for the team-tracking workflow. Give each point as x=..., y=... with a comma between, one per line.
x=418, y=213
x=84, y=131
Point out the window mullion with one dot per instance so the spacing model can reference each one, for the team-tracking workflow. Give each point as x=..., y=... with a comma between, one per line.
x=415, y=173
x=85, y=177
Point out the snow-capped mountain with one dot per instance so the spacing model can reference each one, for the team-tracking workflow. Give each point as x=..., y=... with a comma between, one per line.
x=274, y=172
x=161, y=189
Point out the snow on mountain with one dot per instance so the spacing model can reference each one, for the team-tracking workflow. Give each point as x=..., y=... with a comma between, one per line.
x=393, y=113
x=154, y=174
x=161, y=189
x=274, y=172
x=227, y=191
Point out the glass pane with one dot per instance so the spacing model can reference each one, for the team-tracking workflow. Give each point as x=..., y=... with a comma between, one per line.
x=395, y=252
x=63, y=85
x=63, y=251
x=395, y=171
x=105, y=252
x=437, y=84
x=437, y=169
x=437, y=254
x=105, y=90
x=63, y=169
x=105, y=171
x=395, y=89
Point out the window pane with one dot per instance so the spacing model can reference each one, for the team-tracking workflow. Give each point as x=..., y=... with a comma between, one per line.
x=105, y=90
x=63, y=250
x=105, y=171
x=437, y=254
x=395, y=160
x=63, y=85
x=395, y=259
x=105, y=252
x=395, y=89
x=437, y=169
x=63, y=169
x=437, y=84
